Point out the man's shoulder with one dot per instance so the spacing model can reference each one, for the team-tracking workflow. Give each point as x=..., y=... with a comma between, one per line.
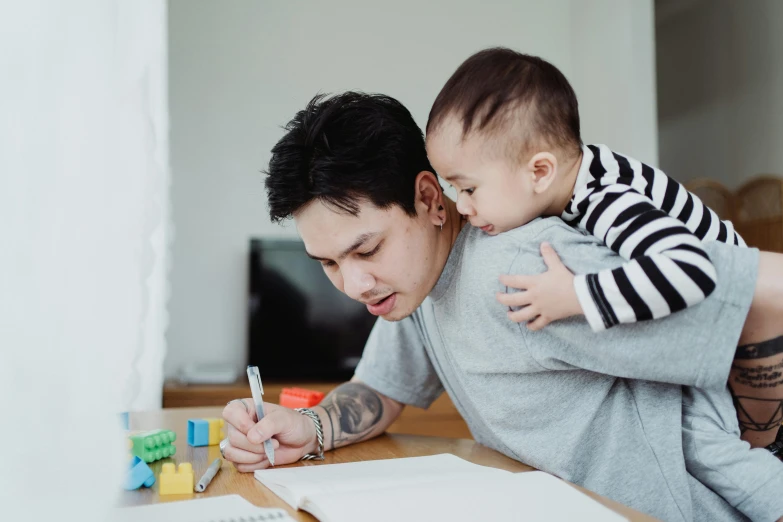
x=542, y=227
x=519, y=250
x=551, y=229
x=502, y=249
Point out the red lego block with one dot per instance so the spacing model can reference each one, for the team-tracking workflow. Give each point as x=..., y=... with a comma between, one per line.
x=300, y=397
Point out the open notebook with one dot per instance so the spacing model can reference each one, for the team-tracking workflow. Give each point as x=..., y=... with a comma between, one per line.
x=439, y=487
x=228, y=508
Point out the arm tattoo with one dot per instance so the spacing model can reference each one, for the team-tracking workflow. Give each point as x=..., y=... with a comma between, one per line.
x=760, y=350
x=759, y=404
x=354, y=410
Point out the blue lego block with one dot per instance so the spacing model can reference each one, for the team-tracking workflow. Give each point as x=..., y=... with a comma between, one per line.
x=139, y=474
x=198, y=432
x=125, y=420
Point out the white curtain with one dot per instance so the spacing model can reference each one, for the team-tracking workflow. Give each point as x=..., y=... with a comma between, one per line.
x=84, y=235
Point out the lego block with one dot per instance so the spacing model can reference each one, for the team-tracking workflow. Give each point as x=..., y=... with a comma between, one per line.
x=300, y=398
x=215, y=431
x=154, y=445
x=205, y=432
x=139, y=474
x=125, y=420
x=176, y=482
x=198, y=432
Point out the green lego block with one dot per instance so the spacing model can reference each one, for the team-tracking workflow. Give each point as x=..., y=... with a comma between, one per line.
x=153, y=445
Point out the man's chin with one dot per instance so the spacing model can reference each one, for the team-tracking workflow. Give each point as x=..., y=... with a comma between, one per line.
x=398, y=313
x=394, y=316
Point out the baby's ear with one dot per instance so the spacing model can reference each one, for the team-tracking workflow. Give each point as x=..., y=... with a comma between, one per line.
x=543, y=169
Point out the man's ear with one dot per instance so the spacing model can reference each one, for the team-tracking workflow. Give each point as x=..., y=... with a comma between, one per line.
x=543, y=168
x=429, y=197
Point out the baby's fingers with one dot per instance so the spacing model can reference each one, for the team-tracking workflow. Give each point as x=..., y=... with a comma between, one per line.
x=513, y=299
x=520, y=282
x=524, y=315
x=540, y=322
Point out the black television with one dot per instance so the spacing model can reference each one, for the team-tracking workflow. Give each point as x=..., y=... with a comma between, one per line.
x=300, y=327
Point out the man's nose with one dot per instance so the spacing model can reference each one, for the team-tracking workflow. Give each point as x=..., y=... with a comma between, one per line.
x=357, y=282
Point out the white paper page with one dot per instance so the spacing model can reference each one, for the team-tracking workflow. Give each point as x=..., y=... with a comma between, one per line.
x=529, y=496
x=293, y=484
x=210, y=509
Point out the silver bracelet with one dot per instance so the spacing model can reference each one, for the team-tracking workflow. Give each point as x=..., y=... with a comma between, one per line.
x=319, y=433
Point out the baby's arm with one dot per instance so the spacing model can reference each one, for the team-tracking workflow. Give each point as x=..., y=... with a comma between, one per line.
x=668, y=270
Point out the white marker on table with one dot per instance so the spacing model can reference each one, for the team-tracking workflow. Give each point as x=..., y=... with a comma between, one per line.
x=208, y=475
x=258, y=397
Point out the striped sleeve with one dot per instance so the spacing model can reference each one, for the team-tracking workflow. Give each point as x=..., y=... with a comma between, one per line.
x=668, y=270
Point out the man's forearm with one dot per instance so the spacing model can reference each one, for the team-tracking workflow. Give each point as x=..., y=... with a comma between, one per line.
x=353, y=412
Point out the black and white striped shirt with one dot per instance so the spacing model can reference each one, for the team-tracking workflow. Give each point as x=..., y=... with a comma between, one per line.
x=655, y=223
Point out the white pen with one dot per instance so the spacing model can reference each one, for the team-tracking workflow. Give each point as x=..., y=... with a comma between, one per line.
x=208, y=475
x=258, y=397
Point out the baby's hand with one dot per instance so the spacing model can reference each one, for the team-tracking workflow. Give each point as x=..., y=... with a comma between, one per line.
x=545, y=297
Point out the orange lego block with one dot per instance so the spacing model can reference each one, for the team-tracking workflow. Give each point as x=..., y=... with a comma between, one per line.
x=176, y=482
x=300, y=398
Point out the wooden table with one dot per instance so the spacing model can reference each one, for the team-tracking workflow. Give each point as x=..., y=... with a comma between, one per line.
x=228, y=480
x=441, y=419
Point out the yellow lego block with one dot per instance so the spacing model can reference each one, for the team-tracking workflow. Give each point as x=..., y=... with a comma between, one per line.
x=176, y=482
x=215, y=430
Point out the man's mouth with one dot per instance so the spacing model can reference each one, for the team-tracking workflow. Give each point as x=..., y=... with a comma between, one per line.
x=382, y=306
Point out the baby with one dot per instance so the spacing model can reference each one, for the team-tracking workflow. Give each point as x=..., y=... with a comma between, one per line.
x=504, y=132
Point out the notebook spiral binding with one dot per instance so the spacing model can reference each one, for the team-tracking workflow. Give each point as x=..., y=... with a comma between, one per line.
x=279, y=515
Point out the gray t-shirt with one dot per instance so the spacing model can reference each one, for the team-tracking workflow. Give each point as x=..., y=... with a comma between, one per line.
x=602, y=410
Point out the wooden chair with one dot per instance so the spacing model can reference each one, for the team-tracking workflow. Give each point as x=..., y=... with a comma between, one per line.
x=715, y=195
x=759, y=212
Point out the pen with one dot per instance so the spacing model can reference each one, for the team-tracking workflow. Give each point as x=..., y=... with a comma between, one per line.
x=208, y=475
x=258, y=397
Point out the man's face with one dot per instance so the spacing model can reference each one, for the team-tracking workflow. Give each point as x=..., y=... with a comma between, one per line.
x=382, y=258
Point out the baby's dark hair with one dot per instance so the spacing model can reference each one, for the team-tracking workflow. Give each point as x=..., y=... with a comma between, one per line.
x=523, y=100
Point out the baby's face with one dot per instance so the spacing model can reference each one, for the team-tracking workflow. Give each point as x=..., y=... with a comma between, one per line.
x=493, y=192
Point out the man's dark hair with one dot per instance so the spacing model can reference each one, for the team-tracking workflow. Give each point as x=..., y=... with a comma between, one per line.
x=346, y=149
x=499, y=91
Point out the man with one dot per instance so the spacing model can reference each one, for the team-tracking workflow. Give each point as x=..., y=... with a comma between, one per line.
x=602, y=411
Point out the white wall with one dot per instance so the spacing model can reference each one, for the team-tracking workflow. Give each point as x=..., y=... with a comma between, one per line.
x=720, y=88
x=83, y=200
x=241, y=69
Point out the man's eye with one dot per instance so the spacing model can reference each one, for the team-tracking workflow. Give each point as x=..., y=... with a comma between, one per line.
x=328, y=264
x=371, y=252
x=468, y=191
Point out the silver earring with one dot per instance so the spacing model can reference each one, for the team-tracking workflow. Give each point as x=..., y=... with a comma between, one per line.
x=441, y=225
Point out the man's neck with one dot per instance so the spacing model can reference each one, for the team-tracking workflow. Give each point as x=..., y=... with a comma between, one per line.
x=452, y=226
x=454, y=222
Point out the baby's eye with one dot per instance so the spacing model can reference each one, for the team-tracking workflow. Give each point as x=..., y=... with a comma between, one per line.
x=468, y=191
